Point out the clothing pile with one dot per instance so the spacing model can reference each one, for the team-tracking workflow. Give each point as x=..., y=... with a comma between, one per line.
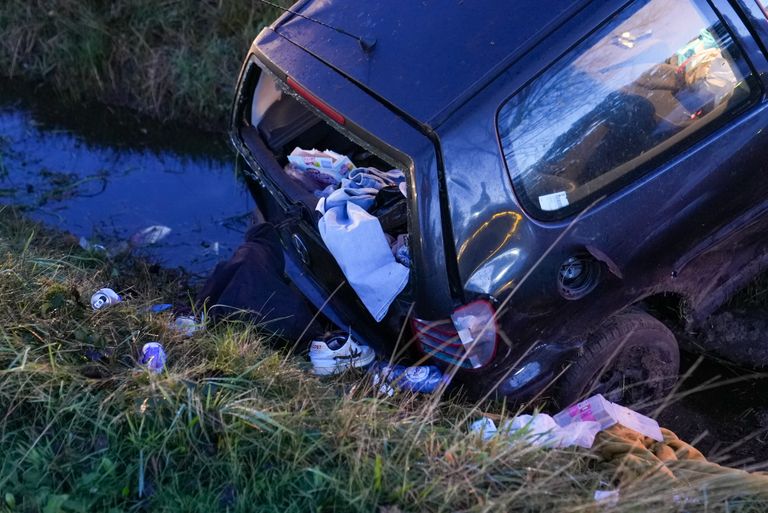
x=363, y=223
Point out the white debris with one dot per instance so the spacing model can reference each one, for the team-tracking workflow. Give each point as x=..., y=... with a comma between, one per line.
x=540, y=430
x=148, y=236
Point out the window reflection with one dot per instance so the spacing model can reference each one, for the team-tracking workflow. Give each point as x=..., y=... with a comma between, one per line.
x=663, y=70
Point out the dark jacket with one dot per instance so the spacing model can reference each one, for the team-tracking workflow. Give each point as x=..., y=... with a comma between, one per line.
x=251, y=286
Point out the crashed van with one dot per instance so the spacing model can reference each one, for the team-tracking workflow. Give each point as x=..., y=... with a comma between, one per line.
x=568, y=168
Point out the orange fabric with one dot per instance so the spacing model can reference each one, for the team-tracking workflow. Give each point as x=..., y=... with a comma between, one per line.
x=636, y=459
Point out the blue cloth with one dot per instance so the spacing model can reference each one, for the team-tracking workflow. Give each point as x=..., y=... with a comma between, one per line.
x=360, y=187
x=357, y=242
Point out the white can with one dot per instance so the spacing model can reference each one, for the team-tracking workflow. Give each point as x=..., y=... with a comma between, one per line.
x=104, y=298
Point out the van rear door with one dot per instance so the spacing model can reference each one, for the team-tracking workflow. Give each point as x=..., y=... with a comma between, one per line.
x=287, y=98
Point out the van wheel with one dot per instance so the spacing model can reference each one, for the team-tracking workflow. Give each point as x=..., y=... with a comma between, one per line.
x=631, y=359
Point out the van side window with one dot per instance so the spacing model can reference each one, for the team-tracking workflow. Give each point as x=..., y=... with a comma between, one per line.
x=631, y=93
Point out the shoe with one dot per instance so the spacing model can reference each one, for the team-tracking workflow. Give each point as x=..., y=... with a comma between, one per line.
x=337, y=352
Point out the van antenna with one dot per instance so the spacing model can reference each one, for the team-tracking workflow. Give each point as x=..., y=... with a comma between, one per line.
x=366, y=44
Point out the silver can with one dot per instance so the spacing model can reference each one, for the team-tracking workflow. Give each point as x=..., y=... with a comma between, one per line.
x=104, y=298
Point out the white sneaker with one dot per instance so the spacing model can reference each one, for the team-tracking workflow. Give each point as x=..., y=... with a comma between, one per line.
x=337, y=352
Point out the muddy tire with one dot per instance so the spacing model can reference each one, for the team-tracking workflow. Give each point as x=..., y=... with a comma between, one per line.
x=631, y=359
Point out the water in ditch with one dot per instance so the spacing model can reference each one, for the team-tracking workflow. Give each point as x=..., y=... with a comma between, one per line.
x=105, y=174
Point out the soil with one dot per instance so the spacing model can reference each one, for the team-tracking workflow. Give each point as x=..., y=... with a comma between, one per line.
x=739, y=336
x=725, y=414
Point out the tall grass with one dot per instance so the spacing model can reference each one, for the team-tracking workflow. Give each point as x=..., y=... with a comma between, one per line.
x=233, y=424
x=174, y=59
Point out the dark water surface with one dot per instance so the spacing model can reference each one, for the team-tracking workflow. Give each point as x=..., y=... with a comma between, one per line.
x=105, y=174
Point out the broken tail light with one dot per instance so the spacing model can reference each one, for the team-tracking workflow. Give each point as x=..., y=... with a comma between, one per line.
x=468, y=339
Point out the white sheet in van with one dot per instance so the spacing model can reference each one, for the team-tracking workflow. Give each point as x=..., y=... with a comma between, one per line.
x=357, y=242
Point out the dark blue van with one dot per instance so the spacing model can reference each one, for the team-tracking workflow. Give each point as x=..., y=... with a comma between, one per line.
x=568, y=165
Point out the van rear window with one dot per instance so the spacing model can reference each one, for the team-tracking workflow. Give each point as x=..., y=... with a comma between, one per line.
x=635, y=91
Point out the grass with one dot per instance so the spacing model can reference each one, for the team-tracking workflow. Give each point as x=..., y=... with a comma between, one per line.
x=173, y=59
x=233, y=424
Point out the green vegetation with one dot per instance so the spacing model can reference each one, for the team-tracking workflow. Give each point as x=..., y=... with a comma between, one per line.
x=173, y=59
x=233, y=424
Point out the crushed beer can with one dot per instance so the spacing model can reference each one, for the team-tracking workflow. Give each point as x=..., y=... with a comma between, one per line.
x=153, y=357
x=424, y=379
x=104, y=298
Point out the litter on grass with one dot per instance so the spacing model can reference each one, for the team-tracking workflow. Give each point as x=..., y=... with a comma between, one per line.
x=153, y=357
x=187, y=325
x=424, y=379
x=607, y=497
x=577, y=425
x=540, y=430
x=104, y=298
x=88, y=246
x=161, y=307
x=598, y=408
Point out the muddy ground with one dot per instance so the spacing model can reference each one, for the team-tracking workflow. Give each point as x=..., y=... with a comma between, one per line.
x=719, y=406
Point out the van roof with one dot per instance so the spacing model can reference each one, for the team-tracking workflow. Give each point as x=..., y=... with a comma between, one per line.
x=429, y=56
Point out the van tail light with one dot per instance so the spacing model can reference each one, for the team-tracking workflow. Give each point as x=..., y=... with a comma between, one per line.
x=468, y=339
x=316, y=102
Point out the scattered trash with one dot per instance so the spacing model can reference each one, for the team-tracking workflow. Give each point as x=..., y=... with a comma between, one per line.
x=95, y=248
x=153, y=356
x=577, y=425
x=607, y=497
x=484, y=427
x=148, y=236
x=324, y=167
x=540, y=430
x=424, y=379
x=104, y=298
x=162, y=307
x=599, y=409
x=187, y=325
x=211, y=248
x=337, y=352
